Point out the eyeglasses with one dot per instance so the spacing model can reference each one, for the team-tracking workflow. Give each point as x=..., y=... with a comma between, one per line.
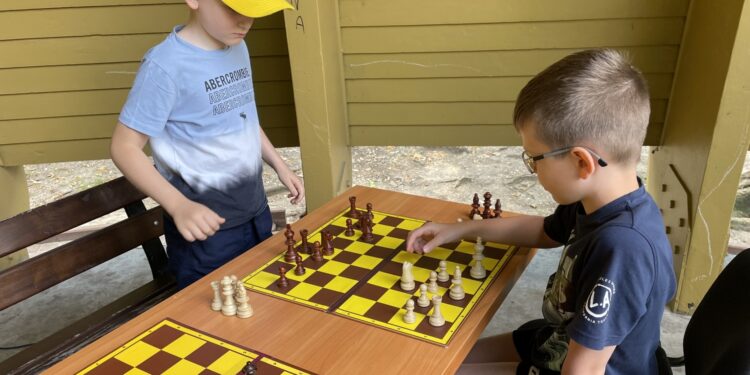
x=530, y=161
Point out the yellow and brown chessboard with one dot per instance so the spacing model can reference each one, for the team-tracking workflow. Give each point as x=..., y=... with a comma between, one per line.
x=361, y=280
x=173, y=348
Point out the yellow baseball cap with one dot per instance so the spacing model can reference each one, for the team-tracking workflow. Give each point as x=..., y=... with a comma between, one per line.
x=257, y=8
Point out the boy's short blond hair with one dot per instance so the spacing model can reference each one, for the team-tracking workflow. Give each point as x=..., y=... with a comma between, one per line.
x=593, y=98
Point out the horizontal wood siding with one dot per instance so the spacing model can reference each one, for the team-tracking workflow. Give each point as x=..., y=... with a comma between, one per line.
x=446, y=72
x=66, y=69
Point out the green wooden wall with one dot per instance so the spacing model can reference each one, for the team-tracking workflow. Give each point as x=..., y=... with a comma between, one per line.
x=66, y=68
x=446, y=72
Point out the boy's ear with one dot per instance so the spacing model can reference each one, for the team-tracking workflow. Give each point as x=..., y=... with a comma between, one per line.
x=192, y=4
x=585, y=162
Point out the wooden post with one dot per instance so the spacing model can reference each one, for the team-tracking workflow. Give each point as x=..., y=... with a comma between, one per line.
x=13, y=200
x=704, y=143
x=313, y=36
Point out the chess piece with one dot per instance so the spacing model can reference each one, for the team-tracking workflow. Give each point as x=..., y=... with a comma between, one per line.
x=216, y=302
x=432, y=287
x=423, y=301
x=477, y=269
x=487, y=205
x=243, y=308
x=366, y=227
x=249, y=369
x=328, y=247
x=234, y=281
x=409, y=317
x=474, y=206
x=290, y=253
x=349, y=228
x=283, y=282
x=498, y=210
x=436, y=319
x=304, y=247
x=228, y=307
x=370, y=215
x=478, y=246
x=317, y=256
x=353, y=207
x=457, y=290
x=407, y=277
x=299, y=270
x=443, y=275
x=289, y=233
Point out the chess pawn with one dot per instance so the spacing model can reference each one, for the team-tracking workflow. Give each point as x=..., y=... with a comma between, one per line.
x=443, y=275
x=228, y=308
x=243, y=309
x=283, y=282
x=477, y=269
x=457, y=291
x=216, y=302
x=409, y=317
x=316, y=254
x=299, y=270
x=407, y=277
x=436, y=319
x=423, y=301
x=477, y=217
x=349, y=228
x=432, y=287
x=353, y=206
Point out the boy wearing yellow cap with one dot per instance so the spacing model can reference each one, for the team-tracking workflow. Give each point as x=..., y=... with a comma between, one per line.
x=193, y=101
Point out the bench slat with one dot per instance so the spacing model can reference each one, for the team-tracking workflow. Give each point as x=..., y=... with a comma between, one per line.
x=49, y=220
x=44, y=271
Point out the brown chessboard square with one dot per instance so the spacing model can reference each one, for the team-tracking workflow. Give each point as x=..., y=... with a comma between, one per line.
x=335, y=230
x=346, y=257
x=291, y=284
x=313, y=265
x=110, y=367
x=381, y=312
x=326, y=297
x=274, y=267
x=380, y=252
x=208, y=372
x=158, y=363
x=399, y=233
x=341, y=243
x=354, y=272
x=206, y=354
x=428, y=263
x=426, y=328
x=447, y=300
x=460, y=258
x=393, y=268
x=375, y=238
x=162, y=337
x=371, y=292
x=494, y=252
x=319, y=279
x=391, y=221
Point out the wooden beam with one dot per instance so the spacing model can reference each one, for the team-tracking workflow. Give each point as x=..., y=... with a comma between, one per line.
x=13, y=200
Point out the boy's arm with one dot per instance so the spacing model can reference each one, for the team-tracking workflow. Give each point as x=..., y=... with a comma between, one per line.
x=286, y=176
x=585, y=361
x=193, y=220
x=521, y=230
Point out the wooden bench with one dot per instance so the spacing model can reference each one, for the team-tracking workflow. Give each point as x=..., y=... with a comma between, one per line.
x=142, y=227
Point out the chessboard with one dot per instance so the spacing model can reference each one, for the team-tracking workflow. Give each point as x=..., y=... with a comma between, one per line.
x=170, y=347
x=360, y=280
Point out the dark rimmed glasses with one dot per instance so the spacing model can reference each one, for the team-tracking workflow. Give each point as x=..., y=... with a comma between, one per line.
x=530, y=161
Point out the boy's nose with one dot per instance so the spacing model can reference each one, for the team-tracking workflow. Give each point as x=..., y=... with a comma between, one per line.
x=245, y=22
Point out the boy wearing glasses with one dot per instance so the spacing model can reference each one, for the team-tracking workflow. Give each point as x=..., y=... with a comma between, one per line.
x=603, y=306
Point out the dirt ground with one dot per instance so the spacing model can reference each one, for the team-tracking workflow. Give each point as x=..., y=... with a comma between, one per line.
x=450, y=173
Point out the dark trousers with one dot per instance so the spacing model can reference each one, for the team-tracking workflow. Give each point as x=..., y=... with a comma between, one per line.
x=189, y=261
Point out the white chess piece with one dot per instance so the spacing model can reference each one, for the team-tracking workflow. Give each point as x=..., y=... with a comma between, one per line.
x=477, y=269
x=407, y=277
x=432, y=287
x=216, y=302
x=457, y=291
x=423, y=301
x=436, y=319
x=477, y=217
x=409, y=316
x=479, y=246
x=243, y=309
x=228, y=308
x=443, y=274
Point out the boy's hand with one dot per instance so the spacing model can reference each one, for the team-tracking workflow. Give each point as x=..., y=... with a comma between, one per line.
x=293, y=183
x=428, y=236
x=196, y=221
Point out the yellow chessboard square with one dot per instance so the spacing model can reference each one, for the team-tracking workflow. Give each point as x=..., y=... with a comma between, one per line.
x=450, y=312
x=262, y=279
x=498, y=245
x=341, y=284
x=439, y=253
x=489, y=263
x=137, y=353
x=376, y=217
x=367, y=262
x=470, y=285
x=394, y=298
x=291, y=276
x=398, y=320
x=357, y=305
x=421, y=274
x=359, y=247
x=385, y=280
x=313, y=237
x=333, y=267
x=183, y=346
x=404, y=256
x=135, y=371
x=184, y=367
x=341, y=221
x=466, y=247
x=382, y=230
x=304, y=291
x=390, y=242
x=410, y=224
x=229, y=363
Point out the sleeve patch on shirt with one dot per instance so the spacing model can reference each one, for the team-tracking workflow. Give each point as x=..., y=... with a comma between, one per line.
x=597, y=304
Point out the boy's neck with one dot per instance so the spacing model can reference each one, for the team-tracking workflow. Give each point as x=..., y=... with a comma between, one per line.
x=611, y=183
x=195, y=34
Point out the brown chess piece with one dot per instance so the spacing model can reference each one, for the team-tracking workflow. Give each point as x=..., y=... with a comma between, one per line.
x=487, y=205
x=304, y=247
x=328, y=247
x=364, y=225
x=289, y=234
x=316, y=254
x=349, y=228
x=353, y=207
x=290, y=255
x=299, y=270
x=498, y=210
x=283, y=282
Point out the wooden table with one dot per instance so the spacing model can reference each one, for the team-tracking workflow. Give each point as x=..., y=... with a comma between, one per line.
x=314, y=340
